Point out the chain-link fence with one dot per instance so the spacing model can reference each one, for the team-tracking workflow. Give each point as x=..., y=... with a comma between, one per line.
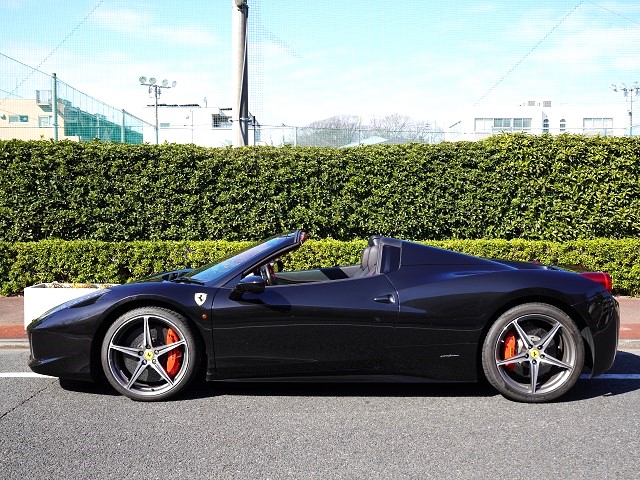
x=343, y=137
x=35, y=105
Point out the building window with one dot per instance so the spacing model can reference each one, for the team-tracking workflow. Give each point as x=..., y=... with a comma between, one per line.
x=594, y=126
x=165, y=125
x=220, y=121
x=497, y=125
x=531, y=103
x=43, y=97
x=545, y=125
x=483, y=124
x=18, y=118
x=521, y=124
x=501, y=124
x=44, y=121
x=546, y=103
x=563, y=125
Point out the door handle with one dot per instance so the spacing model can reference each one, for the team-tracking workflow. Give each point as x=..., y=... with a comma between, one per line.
x=388, y=298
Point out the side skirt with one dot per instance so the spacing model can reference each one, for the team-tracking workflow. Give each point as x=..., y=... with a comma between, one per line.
x=336, y=379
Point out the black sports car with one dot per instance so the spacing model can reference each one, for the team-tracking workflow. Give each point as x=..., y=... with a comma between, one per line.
x=406, y=312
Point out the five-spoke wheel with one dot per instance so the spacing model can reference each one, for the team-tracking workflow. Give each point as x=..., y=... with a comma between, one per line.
x=533, y=353
x=149, y=354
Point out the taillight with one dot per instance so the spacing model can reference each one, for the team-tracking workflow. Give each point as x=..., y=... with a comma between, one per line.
x=602, y=278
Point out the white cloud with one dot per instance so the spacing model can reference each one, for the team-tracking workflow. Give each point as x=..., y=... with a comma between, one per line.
x=141, y=25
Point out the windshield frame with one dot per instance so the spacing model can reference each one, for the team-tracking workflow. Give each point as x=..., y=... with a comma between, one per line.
x=224, y=269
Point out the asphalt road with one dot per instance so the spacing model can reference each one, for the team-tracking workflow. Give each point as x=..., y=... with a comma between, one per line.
x=318, y=431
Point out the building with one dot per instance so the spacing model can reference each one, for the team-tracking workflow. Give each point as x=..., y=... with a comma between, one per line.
x=542, y=116
x=192, y=123
x=33, y=119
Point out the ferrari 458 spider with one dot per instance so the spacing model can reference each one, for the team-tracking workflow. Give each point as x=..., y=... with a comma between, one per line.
x=407, y=312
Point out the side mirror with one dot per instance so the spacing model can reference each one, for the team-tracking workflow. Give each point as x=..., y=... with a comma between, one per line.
x=249, y=284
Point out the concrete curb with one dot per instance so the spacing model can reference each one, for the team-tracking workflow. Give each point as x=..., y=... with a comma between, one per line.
x=9, y=343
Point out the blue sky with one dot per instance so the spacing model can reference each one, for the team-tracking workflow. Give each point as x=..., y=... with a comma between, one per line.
x=427, y=59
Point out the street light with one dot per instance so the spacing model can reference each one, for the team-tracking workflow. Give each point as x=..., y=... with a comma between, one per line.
x=156, y=89
x=628, y=92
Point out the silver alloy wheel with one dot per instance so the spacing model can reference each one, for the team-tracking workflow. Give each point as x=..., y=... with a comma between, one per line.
x=137, y=349
x=533, y=352
x=541, y=371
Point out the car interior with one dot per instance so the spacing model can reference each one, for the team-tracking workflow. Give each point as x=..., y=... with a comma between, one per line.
x=376, y=254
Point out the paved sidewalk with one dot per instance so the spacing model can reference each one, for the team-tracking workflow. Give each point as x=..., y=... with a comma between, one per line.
x=629, y=318
x=12, y=318
x=12, y=322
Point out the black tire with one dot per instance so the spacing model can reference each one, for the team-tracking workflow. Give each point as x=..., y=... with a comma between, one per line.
x=533, y=353
x=157, y=368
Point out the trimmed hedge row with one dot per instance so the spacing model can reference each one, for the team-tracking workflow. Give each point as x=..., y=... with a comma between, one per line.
x=23, y=264
x=509, y=186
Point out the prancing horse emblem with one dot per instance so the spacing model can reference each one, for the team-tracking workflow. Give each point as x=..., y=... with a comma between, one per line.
x=200, y=298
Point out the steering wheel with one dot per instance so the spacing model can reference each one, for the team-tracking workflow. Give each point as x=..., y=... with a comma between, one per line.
x=268, y=274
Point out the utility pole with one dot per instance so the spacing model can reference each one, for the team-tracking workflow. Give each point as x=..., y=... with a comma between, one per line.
x=240, y=75
x=628, y=92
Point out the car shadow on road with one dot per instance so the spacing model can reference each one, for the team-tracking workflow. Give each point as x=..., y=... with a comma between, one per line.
x=201, y=390
x=96, y=388
x=626, y=363
x=338, y=389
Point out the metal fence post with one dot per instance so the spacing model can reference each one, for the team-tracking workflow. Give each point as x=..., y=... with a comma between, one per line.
x=54, y=106
x=122, y=140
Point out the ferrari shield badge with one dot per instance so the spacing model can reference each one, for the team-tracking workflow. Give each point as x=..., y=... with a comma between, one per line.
x=200, y=298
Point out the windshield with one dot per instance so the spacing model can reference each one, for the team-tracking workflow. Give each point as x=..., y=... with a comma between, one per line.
x=221, y=267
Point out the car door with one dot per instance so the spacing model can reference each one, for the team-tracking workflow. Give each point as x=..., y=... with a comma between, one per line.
x=318, y=327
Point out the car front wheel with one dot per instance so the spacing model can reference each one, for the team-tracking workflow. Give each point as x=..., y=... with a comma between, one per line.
x=149, y=354
x=533, y=353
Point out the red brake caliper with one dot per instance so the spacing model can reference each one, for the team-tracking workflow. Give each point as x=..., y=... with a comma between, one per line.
x=174, y=357
x=510, y=349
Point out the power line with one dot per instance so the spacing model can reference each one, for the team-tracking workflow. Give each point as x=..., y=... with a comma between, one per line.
x=70, y=33
x=614, y=13
x=517, y=64
x=59, y=45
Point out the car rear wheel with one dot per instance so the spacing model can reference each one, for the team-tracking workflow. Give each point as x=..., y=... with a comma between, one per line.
x=533, y=353
x=149, y=354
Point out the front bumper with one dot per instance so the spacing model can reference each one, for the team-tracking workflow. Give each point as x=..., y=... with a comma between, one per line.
x=61, y=343
x=72, y=362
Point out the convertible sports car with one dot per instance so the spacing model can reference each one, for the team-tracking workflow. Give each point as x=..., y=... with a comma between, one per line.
x=407, y=312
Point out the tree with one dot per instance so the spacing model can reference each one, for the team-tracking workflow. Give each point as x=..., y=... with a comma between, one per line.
x=341, y=130
x=331, y=132
x=401, y=128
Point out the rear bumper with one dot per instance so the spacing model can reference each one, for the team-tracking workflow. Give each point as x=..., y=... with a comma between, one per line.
x=602, y=314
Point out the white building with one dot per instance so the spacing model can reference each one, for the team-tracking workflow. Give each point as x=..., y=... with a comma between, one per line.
x=542, y=116
x=191, y=123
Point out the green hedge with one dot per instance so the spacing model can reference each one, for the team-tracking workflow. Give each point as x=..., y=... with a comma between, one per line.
x=23, y=264
x=509, y=186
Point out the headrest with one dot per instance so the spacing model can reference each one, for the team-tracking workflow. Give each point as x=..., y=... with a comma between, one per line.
x=365, y=258
x=373, y=258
